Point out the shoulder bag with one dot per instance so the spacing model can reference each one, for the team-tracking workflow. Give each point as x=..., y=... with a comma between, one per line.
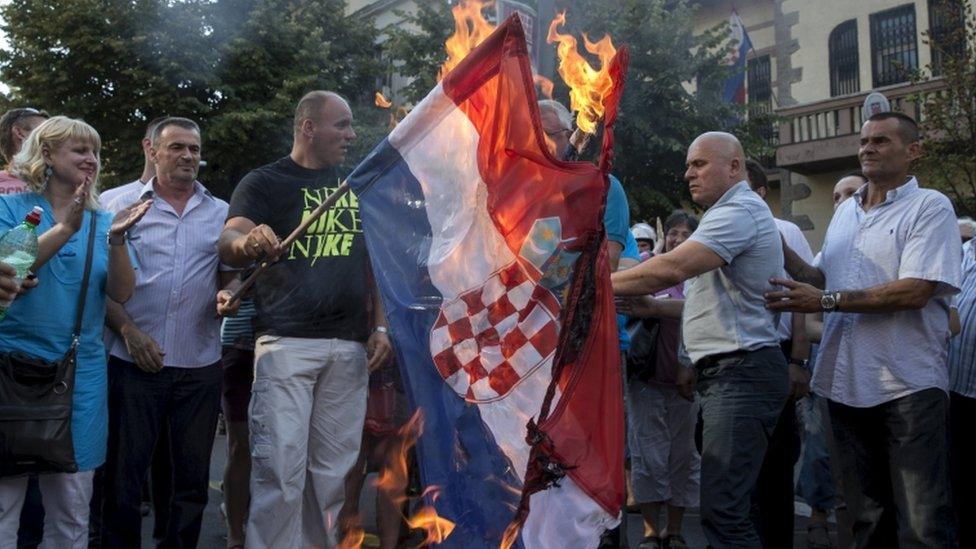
x=36, y=400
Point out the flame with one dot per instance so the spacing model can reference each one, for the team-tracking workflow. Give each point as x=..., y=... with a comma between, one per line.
x=353, y=539
x=545, y=85
x=470, y=29
x=438, y=528
x=511, y=534
x=382, y=102
x=393, y=479
x=588, y=87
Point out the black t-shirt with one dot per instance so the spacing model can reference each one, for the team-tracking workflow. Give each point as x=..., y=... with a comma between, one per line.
x=318, y=288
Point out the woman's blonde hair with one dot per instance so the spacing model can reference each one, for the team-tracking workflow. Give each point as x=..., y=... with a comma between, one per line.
x=29, y=164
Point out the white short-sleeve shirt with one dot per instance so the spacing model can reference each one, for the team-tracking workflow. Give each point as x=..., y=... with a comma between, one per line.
x=869, y=359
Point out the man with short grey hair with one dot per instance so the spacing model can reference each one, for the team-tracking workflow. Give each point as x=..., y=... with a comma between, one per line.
x=164, y=347
x=728, y=334
x=887, y=272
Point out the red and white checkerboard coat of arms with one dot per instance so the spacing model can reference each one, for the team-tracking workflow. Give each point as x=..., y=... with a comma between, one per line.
x=490, y=338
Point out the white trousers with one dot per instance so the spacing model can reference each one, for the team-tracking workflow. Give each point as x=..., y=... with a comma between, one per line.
x=308, y=404
x=66, y=497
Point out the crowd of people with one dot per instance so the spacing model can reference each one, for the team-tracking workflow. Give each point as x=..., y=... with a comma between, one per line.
x=742, y=350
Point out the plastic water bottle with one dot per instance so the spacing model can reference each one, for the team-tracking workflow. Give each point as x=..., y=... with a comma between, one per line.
x=18, y=248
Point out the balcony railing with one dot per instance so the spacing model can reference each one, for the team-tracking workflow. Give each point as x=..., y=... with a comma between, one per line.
x=825, y=134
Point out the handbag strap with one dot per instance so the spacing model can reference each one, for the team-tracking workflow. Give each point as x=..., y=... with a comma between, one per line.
x=76, y=333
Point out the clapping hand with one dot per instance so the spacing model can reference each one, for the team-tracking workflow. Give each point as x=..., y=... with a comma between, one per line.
x=76, y=212
x=129, y=216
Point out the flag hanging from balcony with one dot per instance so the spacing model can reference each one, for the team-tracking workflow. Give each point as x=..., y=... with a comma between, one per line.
x=491, y=261
x=734, y=90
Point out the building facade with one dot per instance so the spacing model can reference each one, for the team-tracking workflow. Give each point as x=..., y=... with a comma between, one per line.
x=813, y=63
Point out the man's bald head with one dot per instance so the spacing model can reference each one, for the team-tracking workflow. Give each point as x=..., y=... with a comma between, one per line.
x=715, y=163
x=323, y=130
x=312, y=104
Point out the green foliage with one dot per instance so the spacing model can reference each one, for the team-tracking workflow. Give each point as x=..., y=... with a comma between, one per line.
x=236, y=66
x=949, y=113
x=116, y=64
x=416, y=47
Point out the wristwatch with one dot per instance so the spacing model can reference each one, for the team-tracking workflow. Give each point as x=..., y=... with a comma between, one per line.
x=116, y=239
x=381, y=329
x=799, y=362
x=829, y=301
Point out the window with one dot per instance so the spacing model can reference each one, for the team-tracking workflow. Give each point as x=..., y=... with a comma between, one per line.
x=947, y=32
x=760, y=85
x=844, y=69
x=760, y=96
x=894, y=49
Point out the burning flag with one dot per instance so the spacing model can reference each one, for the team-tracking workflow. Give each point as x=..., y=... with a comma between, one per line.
x=493, y=268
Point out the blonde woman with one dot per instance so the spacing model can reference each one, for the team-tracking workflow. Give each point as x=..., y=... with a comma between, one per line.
x=59, y=162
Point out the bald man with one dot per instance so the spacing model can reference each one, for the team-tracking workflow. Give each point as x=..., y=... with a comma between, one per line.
x=315, y=338
x=730, y=337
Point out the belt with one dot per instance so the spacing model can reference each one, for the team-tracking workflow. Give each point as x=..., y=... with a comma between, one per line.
x=711, y=360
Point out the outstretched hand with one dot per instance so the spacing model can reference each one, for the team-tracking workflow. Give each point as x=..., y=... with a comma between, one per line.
x=798, y=297
x=129, y=216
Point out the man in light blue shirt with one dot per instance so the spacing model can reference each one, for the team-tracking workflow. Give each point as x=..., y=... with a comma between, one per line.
x=889, y=266
x=729, y=335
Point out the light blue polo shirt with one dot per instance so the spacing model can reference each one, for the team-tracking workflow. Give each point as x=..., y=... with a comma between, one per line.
x=724, y=309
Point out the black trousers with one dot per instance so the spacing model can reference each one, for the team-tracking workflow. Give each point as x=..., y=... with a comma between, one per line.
x=895, y=463
x=962, y=465
x=772, y=501
x=183, y=400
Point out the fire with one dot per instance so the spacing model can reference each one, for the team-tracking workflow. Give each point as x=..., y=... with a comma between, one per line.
x=353, y=539
x=511, y=534
x=470, y=29
x=394, y=478
x=382, y=102
x=438, y=528
x=588, y=87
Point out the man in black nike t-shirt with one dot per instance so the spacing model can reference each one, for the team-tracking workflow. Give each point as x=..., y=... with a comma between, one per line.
x=315, y=338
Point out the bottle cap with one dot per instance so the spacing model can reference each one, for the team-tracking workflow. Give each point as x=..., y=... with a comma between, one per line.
x=34, y=218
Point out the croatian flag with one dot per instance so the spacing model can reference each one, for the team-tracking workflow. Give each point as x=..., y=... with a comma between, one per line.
x=490, y=257
x=735, y=87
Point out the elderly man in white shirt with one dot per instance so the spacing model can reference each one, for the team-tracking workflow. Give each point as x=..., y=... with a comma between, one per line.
x=884, y=281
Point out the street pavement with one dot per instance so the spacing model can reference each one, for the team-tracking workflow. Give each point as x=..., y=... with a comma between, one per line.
x=212, y=535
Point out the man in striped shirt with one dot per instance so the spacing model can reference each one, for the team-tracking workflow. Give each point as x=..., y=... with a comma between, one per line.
x=164, y=358
x=962, y=401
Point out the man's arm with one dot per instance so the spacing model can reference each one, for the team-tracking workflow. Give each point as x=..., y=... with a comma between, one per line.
x=689, y=259
x=900, y=295
x=801, y=270
x=144, y=351
x=378, y=347
x=242, y=242
x=614, y=249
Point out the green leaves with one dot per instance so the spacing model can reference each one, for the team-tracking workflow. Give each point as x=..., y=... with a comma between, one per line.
x=236, y=66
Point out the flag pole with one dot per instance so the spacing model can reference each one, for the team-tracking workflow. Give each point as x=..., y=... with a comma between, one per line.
x=329, y=201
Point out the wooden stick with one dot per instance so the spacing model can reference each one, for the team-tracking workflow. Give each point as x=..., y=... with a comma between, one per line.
x=299, y=231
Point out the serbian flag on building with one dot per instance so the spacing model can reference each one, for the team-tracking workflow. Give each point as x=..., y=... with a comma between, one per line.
x=491, y=260
x=735, y=87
